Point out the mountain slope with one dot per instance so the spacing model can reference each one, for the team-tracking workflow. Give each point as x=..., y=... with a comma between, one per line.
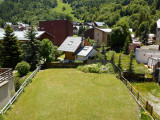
x=64, y=8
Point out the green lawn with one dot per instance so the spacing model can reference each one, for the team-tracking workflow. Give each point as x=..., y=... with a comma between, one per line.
x=138, y=68
x=69, y=94
x=151, y=91
x=68, y=9
x=148, y=87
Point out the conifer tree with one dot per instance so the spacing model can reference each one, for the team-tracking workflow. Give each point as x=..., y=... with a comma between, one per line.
x=113, y=57
x=126, y=46
x=32, y=49
x=11, y=52
x=119, y=62
x=130, y=67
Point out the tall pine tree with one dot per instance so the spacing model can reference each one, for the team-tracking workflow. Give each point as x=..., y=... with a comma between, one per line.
x=32, y=49
x=11, y=52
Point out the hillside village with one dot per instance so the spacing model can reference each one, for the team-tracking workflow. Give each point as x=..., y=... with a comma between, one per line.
x=87, y=65
x=85, y=43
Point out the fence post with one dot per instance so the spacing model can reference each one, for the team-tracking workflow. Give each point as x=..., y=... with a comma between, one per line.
x=138, y=96
x=146, y=105
x=131, y=88
x=151, y=110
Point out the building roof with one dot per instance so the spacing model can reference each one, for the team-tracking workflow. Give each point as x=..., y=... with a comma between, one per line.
x=21, y=34
x=150, y=47
x=84, y=51
x=100, y=23
x=105, y=30
x=1, y=30
x=158, y=23
x=70, y=44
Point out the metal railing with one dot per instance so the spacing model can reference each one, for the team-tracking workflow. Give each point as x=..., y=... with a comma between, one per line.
x=5, y=74
x=12, y=100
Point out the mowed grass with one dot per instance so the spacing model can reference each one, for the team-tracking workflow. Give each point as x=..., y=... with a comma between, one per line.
x=148, y=87
x=69, y=94
x=68, y=9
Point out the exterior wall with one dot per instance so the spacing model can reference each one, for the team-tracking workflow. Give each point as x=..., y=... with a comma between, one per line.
x=98, y=37
x=142, y=55
x=6, y=89
x=69, y=55
x=61, y=29
x=157, y=36
x=101, y=37
x=89, y=33
x=82, y=58
x=75, y=31
x=46, y=36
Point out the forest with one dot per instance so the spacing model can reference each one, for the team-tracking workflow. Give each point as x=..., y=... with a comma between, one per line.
x=113, y=11
x=109, y=11
x=28, y=11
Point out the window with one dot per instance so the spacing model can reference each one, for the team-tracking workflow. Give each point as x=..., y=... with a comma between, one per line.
x=86, y=48
x=70, y=43
x=97, y=34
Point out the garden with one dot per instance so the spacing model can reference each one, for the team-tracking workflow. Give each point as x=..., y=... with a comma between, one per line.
x=71, y=94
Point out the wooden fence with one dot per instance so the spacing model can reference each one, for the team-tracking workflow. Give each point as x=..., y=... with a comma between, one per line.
x=12, y=100
x=136, y=94
x=5, y=74
x=63, y=65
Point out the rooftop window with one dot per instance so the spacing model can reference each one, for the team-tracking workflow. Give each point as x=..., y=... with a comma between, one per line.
x=70, y=43
x=86, y=48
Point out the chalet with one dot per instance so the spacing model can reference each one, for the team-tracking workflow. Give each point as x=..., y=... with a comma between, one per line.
x=21, y=35
x=6, y=86
x=102, y=36
x=61, y=29
x=76, y=48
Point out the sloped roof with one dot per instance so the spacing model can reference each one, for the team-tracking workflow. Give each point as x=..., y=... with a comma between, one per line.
x=84, y=51
x=70, y=44
x=21, y=34
x=100, y=23
x=105, y=30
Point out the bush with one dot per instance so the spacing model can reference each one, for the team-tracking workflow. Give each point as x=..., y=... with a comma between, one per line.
x=17, y=84
x=23, y=68
x=97, y=68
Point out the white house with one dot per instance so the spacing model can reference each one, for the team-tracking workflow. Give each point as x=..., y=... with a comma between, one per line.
x=85, y=53
x=145, y=52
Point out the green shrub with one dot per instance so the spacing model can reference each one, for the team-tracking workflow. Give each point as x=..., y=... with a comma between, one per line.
x=17, y=83
x=23, y=68
x=97, y=68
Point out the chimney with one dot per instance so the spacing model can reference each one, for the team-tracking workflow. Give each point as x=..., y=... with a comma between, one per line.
x=82, y=44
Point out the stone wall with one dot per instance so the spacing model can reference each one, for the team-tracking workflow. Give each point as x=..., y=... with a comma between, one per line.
x=7, y=89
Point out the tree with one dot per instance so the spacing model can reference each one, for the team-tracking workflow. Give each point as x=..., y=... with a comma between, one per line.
x=81, y=30
x=57, y=53
x=11, y=52
x=144, y=32
x=32, y=49
x=113, y=57
x=119, y=62
x=130, y=67
x=47, y=50
x=126, y=46
x=119, y=35
x=116, y=38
